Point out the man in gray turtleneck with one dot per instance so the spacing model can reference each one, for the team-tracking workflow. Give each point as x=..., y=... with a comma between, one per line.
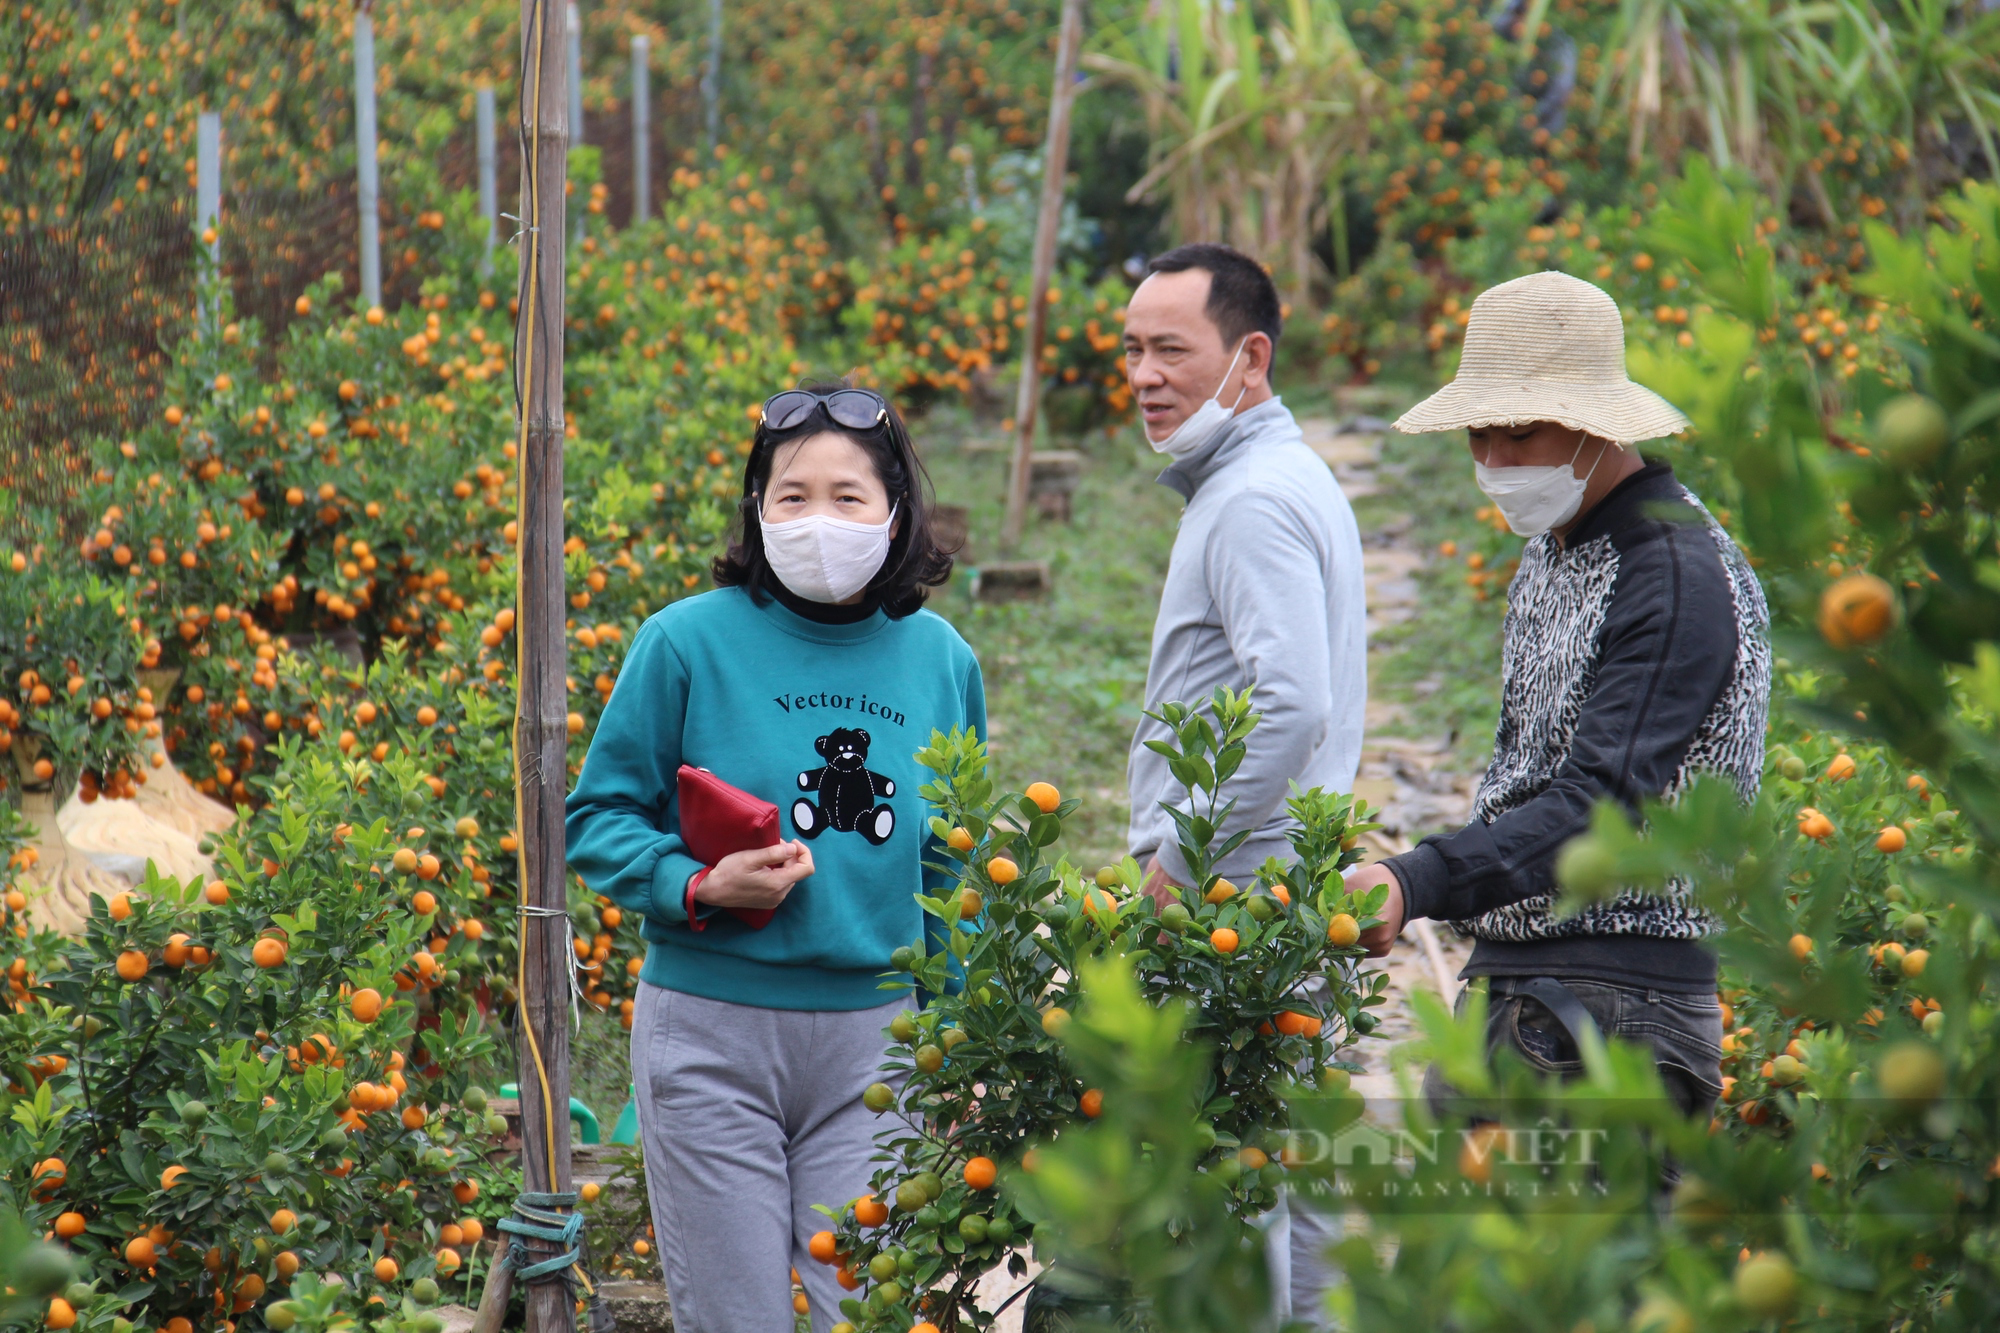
x=1264, y=591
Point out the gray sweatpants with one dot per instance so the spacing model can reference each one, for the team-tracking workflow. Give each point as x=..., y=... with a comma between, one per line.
x=1299, y=1233
x=749, y=1117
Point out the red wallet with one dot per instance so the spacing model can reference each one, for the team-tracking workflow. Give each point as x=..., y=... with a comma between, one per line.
x=717, y=819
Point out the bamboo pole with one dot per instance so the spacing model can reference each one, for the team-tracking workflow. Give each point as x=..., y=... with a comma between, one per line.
x=541, y=733
x=1055, y=168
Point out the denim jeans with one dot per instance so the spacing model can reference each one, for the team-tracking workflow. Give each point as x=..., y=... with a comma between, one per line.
x=1683, y=1029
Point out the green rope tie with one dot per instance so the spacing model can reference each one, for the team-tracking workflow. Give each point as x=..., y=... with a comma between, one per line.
x=535, y=1219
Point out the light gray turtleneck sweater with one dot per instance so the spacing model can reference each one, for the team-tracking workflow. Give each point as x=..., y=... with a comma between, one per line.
x=1264, y=590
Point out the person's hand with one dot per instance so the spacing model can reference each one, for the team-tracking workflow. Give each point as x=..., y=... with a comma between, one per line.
x=1158, y=886
x=1378, y=940
x=757, y=878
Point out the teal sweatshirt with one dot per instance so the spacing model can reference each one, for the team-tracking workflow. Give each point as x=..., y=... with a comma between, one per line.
x=823, y=721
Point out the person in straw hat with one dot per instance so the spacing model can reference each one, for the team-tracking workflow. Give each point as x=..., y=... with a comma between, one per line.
x=1634, y=658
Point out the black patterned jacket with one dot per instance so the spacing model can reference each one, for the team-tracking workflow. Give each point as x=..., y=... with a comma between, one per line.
x=1635, y=657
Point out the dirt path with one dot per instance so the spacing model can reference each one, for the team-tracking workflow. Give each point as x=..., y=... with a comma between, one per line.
x=1413, y=782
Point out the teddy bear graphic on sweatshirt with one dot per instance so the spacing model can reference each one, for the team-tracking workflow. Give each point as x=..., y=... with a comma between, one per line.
x=850, y=796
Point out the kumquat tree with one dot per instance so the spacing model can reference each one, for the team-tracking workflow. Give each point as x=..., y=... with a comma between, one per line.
x=981, y=1081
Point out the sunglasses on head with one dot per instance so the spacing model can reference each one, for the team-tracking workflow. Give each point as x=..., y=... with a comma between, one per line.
x=856, y=409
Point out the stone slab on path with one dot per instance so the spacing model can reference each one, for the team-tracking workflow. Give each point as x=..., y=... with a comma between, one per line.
x=457, y=1318
x=1353, y=455
x=639, y=1307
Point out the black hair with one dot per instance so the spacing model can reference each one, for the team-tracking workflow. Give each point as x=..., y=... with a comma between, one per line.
x=916, y=561
x=1242, y=300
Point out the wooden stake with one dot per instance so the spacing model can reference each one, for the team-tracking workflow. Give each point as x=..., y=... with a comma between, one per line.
x=1055, y=167
x=493, y=1301
x=541, y=733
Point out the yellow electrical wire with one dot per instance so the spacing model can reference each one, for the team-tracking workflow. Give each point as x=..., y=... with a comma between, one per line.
x=532, y=231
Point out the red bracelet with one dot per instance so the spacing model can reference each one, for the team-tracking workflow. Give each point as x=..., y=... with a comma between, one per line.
x=694, y=882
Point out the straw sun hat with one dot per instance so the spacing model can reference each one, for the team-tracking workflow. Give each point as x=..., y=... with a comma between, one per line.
x=1547, y=347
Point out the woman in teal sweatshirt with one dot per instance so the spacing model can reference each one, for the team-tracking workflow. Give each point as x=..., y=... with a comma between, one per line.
x=810, y=677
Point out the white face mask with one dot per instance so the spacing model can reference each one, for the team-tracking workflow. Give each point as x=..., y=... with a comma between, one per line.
x=1201, y=425
x=825, y=559
x=1535, y=499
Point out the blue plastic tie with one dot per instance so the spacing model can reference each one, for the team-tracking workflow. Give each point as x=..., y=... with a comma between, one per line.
x=536, y=1219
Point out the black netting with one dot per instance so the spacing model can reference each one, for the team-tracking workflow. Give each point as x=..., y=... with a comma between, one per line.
x=276, y=243
x=87, y=311
x=90, y=311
